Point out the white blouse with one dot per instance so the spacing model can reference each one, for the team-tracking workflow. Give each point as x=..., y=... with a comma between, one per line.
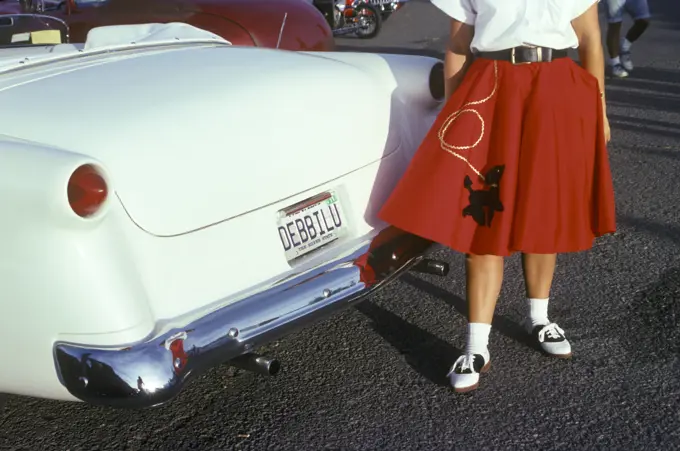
x=502, y=24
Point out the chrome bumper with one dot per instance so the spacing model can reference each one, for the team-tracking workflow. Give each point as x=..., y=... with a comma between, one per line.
x=153, y=371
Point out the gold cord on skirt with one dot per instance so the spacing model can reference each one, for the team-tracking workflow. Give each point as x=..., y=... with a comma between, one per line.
x=450, y=148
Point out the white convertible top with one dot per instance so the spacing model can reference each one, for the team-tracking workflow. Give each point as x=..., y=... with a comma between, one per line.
x=109, y=38
x=152, y=33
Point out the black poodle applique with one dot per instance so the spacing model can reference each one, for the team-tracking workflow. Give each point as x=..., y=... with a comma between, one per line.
x=484, y=203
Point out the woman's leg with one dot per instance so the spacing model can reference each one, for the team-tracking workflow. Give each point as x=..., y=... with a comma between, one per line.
x=539, y=270
x=484, y=275
x=538, y=274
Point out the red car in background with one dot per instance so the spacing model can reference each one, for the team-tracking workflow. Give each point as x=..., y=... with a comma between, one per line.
x=286, y=24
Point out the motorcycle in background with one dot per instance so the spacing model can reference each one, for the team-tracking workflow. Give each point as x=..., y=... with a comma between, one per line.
x=387, y=7
x=364, y=18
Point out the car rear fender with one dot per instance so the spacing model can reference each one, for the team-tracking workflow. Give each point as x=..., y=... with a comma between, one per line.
x=61, y=272
x=413, y=79
x=33, y=181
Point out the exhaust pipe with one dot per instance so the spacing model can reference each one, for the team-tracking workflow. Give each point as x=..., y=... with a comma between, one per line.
x=256, y=364
x=434, y=267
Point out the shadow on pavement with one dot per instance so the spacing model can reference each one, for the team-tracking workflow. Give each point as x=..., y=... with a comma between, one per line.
x=427, y=354
x=643, y=125
x=504, y=325
x=653, y=74
x=653, y=322
x=661, y=230
x=662, y=152
x=647, y=88
x=656, y=305
x=662, y=80
x=649, y=74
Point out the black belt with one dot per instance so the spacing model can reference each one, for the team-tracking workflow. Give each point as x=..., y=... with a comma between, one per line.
x=525, y=54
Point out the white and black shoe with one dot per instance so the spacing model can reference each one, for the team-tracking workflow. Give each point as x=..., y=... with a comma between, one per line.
x=551, y=339
x=464, y=374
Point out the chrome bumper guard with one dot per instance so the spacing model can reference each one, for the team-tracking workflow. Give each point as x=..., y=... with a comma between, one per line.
x=153, y=371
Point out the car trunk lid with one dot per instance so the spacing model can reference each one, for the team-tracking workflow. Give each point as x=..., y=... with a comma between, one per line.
x=197, y=136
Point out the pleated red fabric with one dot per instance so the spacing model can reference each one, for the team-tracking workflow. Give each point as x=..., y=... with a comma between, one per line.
x=515, y=162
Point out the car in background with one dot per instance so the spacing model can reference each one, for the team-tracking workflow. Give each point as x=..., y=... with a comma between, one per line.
x=285, y=24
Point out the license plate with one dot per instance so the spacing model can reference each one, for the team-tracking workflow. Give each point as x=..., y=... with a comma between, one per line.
x=311, y=224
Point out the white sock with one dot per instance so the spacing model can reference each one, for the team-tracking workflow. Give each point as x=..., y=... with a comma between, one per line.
x=477, y=338
x=626, y=45
x=615, y=61
x=538, y=311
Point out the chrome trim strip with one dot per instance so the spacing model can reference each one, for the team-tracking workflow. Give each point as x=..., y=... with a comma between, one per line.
x=153, y=371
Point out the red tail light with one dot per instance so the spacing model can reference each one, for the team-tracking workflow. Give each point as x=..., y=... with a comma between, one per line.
x=87, y=191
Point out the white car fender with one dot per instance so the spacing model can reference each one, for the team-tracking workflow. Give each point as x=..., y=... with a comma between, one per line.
x=33, y=182
x=48, y=251
x=416, y=86
x=407, y=76
x=73, y=252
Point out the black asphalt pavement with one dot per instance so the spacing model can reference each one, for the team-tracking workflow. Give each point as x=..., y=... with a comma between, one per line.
x=374, y=377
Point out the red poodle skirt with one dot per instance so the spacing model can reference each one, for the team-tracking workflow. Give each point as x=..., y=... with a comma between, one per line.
x=515, y=162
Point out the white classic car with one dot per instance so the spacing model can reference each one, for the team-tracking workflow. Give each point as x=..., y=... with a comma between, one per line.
x=172, y=202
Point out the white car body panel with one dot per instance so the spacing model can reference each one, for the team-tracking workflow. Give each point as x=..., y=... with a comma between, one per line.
x=206, y=99
x=202, y=143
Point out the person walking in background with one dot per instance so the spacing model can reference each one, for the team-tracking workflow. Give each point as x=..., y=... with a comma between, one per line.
x=619, y=49
x=516, y=161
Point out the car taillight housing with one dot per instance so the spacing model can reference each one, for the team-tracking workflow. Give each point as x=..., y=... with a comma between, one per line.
x=86, y=191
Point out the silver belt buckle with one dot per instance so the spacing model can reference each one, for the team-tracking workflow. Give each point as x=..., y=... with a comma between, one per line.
x=513, y=58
